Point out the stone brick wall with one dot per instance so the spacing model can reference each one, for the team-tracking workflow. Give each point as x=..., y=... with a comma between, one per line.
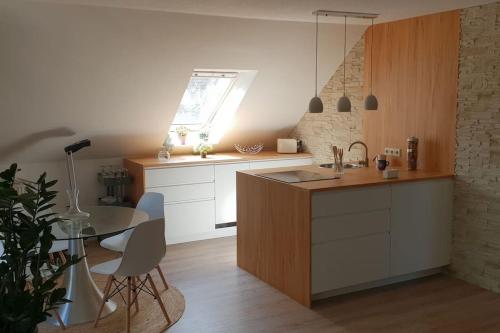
x=320, y=131
x=476, y=235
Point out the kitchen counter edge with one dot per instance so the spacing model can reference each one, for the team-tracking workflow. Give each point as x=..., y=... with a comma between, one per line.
x=351, y=179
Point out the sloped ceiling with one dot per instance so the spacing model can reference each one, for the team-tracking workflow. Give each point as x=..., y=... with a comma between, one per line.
x=116, y=75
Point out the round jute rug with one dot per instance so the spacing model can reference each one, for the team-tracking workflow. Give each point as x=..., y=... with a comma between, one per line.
x=148, y=319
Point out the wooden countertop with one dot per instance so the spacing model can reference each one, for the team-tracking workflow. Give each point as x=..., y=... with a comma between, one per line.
x=352, y=177
x=231, y=157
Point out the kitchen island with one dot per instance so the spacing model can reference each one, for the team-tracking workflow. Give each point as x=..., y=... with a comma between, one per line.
x=317, y=239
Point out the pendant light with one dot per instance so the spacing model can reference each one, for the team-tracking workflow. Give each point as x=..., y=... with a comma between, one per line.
x=344, y=104
x=316, y=105
x=371, y=102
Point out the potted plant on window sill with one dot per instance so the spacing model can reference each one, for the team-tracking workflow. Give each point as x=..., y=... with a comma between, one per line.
x=204, y=148
x=25, y=232
x=182, y=133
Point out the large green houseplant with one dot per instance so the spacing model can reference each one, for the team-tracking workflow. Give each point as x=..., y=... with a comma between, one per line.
x=28, y=281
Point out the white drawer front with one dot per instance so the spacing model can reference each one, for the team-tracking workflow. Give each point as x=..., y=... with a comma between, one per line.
x=280, y=163
x=330, y=228
x=179, y=176
x=350, y=262
x=338, y=202
x=190, y=192
x=190, y=218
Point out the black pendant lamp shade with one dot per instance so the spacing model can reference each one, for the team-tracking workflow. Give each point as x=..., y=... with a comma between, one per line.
x=371, y=102
x=344, y=104
x=316, y=105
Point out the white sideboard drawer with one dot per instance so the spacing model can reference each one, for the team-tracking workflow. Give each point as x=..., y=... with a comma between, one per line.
x=190, y=192
x=189, y=219
x=179, y=176
x=330, y=228
x=349, y=262
x=338, y=202
x=280, y=163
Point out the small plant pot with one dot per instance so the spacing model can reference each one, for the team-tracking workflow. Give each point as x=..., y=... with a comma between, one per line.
x=203, y=154
x=182, y=139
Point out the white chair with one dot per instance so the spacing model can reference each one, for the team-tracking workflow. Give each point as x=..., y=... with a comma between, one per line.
x=152, y=203
x=143, y=252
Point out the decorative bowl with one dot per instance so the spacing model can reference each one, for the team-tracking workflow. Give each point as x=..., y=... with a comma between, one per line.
x=251, y=150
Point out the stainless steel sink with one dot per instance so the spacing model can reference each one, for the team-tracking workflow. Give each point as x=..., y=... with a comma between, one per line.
x=346, y=166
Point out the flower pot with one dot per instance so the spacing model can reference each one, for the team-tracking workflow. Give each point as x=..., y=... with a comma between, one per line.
x=182, y=139
x=203, y=154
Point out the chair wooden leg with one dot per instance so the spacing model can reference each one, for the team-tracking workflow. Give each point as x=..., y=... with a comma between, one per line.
x=109, y=282
x=62, y=256
x=51, y=259
x=158, y=268
x=129, y=287
x=59, y=320
x=135, y=294
x=158, y=298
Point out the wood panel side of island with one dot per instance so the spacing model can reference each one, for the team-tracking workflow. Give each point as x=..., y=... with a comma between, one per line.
x=274, y=234
x=136, y=188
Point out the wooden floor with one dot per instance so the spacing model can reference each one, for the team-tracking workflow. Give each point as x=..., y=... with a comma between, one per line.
x=220, y=297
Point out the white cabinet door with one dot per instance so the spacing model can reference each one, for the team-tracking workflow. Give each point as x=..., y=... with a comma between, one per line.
x=349, y=262
x=187, y=221
x=421, y=218
x=225, y=191
x=280, y=163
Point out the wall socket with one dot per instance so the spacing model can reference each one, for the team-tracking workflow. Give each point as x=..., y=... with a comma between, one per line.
x=392, y=152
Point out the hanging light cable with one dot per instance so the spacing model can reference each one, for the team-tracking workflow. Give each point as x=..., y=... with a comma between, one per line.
x=344, y=104
x=316, y=105
x=371, y=102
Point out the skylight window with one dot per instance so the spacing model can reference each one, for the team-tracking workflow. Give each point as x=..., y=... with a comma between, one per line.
x=209, y=104
x=204, y=95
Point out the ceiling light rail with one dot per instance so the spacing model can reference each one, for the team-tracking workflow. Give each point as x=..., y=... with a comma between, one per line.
x=334, y=13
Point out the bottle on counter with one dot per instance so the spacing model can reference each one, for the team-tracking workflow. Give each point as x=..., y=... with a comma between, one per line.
x=412, y=152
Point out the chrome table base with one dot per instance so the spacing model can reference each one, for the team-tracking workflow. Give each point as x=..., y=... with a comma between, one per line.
x=82, y=291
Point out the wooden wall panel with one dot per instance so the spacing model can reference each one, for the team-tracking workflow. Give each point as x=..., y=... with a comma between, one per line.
x=415, y=74
x=274, y=234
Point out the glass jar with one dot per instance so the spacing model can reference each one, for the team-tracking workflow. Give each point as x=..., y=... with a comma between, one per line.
x=412, y=152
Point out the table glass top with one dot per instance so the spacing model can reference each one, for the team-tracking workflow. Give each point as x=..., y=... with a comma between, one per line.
x=103, y=220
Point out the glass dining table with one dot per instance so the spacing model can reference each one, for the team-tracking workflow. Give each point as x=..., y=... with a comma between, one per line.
x=81, y=289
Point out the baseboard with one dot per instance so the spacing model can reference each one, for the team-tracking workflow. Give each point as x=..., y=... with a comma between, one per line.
x=225, y=225
x=378, y=283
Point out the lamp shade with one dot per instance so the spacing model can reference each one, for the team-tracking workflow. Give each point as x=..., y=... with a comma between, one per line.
x=371, y=102
x=315, y=105
x=344, y=104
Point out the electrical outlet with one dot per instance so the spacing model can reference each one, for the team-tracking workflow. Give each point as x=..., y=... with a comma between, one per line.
x=392, y=151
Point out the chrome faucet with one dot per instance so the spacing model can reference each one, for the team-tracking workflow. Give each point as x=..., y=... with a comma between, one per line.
x=366, y=161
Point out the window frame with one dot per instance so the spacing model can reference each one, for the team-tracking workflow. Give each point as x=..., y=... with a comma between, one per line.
x=200, y=73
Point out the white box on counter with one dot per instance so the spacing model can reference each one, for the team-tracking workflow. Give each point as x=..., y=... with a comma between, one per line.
x=287, y=146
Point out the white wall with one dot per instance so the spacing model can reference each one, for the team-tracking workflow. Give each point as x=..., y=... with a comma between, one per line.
x=86, y=170
x=116, y=76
